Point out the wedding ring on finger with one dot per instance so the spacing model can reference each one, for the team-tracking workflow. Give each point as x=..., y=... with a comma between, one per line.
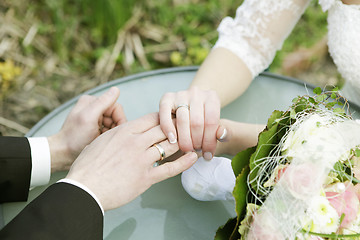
x=182, y=105
x=161, y=151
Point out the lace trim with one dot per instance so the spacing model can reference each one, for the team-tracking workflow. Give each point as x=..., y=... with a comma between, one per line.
x=326, y=4
x=259, y=30
x=344, y=35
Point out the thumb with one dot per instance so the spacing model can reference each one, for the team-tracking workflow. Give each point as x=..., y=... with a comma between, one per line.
x=222, y=134
x=105, y=101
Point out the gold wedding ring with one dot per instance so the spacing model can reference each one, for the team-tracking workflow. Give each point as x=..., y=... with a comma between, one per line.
x=182, y=105
x=161, y=151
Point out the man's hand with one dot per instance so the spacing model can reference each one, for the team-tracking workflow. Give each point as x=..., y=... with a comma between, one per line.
x=90, y=117
x=119, y=165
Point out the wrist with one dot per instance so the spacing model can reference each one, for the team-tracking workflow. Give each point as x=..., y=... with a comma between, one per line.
x=61, y=155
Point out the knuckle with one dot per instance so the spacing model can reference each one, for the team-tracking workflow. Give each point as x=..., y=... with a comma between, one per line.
x=186, y=147
x=194, y=90
x=182, y=94
x=211, y=123
x=84, y=99
x=212, y=94
x=196, y=123
x=197, y=144
x=167, y=95
x=82, y=120
x=164, y=104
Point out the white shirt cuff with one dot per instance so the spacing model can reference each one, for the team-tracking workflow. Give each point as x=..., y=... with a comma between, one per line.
x=41, y=161
x=83, y=187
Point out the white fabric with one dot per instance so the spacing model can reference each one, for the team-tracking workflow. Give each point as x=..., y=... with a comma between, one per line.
x=83, y=187
x=344, y=36
x=261, y=26
x=41, y=161
x=259, y=30
x=209, y=180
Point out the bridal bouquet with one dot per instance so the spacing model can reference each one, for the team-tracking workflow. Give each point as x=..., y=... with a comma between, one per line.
x=301, y=181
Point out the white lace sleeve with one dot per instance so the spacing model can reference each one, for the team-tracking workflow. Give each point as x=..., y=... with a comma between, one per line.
x=343, y=41
x=259, y=30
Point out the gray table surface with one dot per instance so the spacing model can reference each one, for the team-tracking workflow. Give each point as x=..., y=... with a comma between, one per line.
x=165, y=211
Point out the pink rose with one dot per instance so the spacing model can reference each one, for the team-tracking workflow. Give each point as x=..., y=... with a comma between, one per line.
x=357, y=190
x=346, y=203
x=300, y=179
x=263, y=228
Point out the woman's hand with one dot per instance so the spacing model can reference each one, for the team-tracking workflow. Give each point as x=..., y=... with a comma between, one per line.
x=197, y=115
x=119, y=165
x=90, y=117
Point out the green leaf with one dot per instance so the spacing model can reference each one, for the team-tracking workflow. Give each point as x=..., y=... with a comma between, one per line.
x=321, y=98
x=267, y=140
x=330, y=104
x=295, y=99
x=339, y=110
x=230, y=230
x=240, y=193
x=342, y=175
x=312, y=100
x=241, y=160
x=357, y=152
x=333, y=95
x=292, y=114
x=274, y=116
x=224, y=232
x=317, y=91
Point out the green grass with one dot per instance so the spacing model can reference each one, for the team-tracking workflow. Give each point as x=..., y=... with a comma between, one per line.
x=79, y=32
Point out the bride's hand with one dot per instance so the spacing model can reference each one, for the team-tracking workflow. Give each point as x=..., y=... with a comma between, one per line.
x=197, y=115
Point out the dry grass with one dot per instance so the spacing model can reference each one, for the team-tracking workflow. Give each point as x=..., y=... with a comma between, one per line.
x=52, y=72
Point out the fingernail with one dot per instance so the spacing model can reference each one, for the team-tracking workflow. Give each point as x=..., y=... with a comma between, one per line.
x=171, y=137
x=207, y=156
x=111, y=91
x=223, y=136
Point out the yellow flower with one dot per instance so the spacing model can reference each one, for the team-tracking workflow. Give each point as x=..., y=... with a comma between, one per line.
x=8, y=73
x=324, y=218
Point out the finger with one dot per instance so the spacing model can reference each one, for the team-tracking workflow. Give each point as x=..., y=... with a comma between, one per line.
x=165, y=113
x=171, y=169
x=107, y=122
x=212, y=118
x=197, y=123
x=183, y=129
x=153, y=153
x=116, y=112
x=154, y=135
x=144, y=123
x=104, y=102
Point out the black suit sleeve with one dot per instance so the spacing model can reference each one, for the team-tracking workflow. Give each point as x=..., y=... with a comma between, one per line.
x=15, y=169
x=63, y=211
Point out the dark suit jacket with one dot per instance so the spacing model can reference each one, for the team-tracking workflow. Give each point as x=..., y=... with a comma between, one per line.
x=15, y=169
x=62, y=211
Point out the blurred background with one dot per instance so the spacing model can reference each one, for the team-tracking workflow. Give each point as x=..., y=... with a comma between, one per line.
x=53, y=50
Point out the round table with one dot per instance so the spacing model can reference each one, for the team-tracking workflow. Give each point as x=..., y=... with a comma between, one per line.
x=166, y=211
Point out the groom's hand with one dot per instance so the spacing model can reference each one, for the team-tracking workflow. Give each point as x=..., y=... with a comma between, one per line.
x=90, y=117
x=119, y=164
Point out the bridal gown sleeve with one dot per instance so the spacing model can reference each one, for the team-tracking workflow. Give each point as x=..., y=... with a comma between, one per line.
x=259, y=30
x=343, y=40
